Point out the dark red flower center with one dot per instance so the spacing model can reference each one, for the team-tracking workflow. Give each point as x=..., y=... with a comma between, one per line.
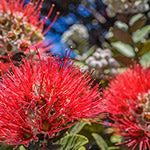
x=45, y=125
x=141, y=133
x=42, y=101
x=139, y=109
x=27, y=135
x=24, y=46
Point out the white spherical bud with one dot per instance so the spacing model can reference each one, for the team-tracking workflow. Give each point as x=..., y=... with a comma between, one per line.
x=104, y=62
x=97, y=55
x=113, y=63
x=93, y=63
x=98, y=50
x=99, y=64
x=113, y=71
x=91, y=58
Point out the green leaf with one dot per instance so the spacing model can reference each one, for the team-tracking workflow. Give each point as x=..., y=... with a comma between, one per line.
x=116, y=139
x=109, y=36
x=124, y=49
x=100, y=141
x=121, y=25
x=145, y=48
x=78, y=127
x=135, y=18
x=94, y=127
x=139, y=45
x=91, y=50
x=114, y=148
x=88, y=129
x=138, y=24
x=22, y=147
x=72, y=142
x=140, y=34
x=122, y=36
x=82, y=148
x=6, y=147
x=145, y=59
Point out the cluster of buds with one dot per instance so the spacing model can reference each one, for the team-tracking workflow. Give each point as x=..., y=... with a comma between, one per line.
x=126, y=6
x=21, y=28
x=44, y=97
x=103, y=63
x=143, y=109
x=16, y=33
x=127, y=102
x=76, y=37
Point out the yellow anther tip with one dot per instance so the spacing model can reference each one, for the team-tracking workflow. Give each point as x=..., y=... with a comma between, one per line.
x=58, y=12
x=53, y=5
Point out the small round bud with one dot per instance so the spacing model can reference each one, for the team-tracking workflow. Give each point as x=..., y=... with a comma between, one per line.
x=93, y=63
x=99, y=64
x=88, y=61
x=146, y=117
x=138, y=109
x=113, y=63
x=113, y=71
x=97, y=55
x=104, y=62
x=143, y=100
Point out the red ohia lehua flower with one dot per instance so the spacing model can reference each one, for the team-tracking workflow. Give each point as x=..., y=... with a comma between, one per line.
x=44, y=97
x=127, y=101
x=21, y=27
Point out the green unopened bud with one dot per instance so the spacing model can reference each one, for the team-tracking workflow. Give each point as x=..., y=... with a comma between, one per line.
x=11, y=36
x=9, y=47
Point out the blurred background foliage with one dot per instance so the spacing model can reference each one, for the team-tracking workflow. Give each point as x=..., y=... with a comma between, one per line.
x=106, y=36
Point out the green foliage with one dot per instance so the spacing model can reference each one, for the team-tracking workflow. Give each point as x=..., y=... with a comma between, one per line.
x=145, y=59
x=135, y=18
x=82, y=148
x=115, y=139
x=124, y=49
x=86, y=129
x=144, y=48
x=102, y=144
x=114, y=148
x=72, y=142
x=78, y=127
x=129, y=40
x=137, y=22
x=100, y=141
x=22, y=147
x=141, y=34
x=6, y=147
x=93, y=132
